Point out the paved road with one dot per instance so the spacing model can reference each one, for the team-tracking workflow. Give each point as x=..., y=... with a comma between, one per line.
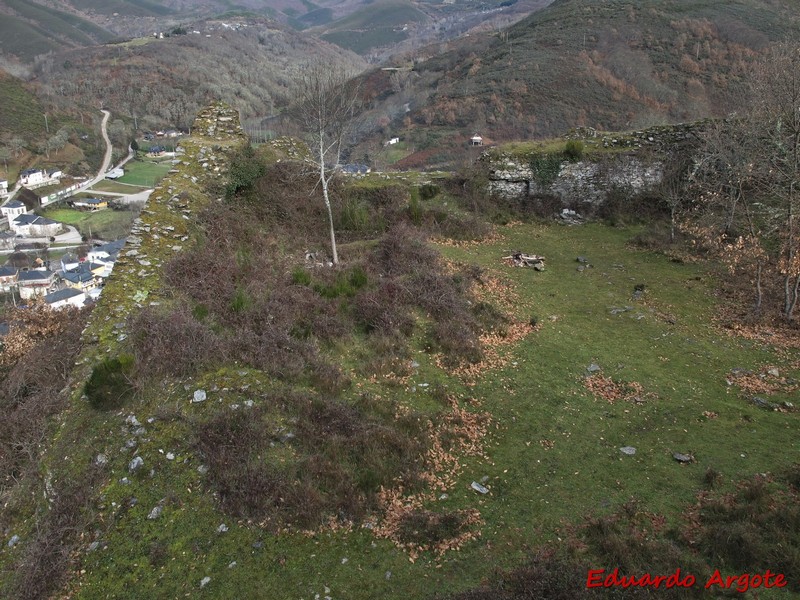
x=101, y=174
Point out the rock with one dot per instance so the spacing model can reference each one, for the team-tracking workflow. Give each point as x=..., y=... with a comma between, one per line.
x=593, y=368
x=388, y=575
x=478, y=488
x=125, y=481
x=344, y=560
x=231, y=564
x=136, y=464
x=484, y=479
x=205, y=581
x=94, y=546
x=683, y=458
x=100, y=459
x=761, y=403
x=258, y=545
x=170, y=456
x=199, y=396
x=156, y=512
x=582, y=259
x=13, y=541
x=774, y=372
x=202, y=469
x=132, y=421
x=222, y=528
x=629, y=450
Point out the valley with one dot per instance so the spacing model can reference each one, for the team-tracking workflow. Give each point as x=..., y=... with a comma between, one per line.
x=555, y=339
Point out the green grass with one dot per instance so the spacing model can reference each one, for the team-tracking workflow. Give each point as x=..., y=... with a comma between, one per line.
x=110, y=185
x=107, y=223
x=144, y=173
x=537, y=396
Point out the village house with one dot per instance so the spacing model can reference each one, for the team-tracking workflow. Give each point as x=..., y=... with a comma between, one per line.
x=39, y=177
x=476, y=140
x=35, y=283
x=31, y=177
x=86, y=276
x=11, y=210
x=3, y=188
x=106, y=253
x=8, y=278
x=90, y=204
x=64, y=298
x=31, y=225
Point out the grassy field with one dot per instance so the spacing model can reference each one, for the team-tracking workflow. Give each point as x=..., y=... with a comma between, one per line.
x=109, y=185
x=144, y=173
x=551, y=458
x=108, y=224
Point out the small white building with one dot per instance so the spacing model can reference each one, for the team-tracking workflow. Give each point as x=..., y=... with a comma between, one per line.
x=392, y=141
x=31, y=177
x=476, y=140
x=3, y=188
x=12, y=210
x=66, y=297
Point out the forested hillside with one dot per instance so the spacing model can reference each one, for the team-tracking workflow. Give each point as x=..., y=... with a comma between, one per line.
x=610, y=65
x=250, y=63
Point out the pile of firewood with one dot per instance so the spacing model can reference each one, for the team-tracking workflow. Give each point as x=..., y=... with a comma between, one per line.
x=520, y=259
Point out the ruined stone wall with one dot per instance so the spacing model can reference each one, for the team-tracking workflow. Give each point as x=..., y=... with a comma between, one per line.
x=630, y=163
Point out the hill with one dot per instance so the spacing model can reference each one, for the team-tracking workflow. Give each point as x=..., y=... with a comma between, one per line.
x=249, y=62
x=612, y=65
x=379, y=24
x=236, y=418
x=29, y=29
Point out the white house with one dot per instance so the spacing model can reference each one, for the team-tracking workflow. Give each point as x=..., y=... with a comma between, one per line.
x=31, y=225
x=66, y=297
x=35, y=283
x=392, y=141
x=32, y=177
x=12, y=210
x=476, y=140
x=3, y=188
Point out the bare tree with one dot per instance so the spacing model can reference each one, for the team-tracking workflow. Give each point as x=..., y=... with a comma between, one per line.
x=729, y=215
x=776, y=86
x=326, y=100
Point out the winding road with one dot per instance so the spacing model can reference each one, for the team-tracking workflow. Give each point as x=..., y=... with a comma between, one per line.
x=101, y=174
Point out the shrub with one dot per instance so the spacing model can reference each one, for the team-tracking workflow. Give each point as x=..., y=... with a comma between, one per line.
x=428, y=191
x=301, y=276
x=173, y=343
x=246, y=167
x=573, y=150
x=111, y=383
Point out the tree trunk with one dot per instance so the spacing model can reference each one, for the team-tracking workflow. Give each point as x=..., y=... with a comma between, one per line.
x=759, y=290
x=789, y=291
x=324, y=180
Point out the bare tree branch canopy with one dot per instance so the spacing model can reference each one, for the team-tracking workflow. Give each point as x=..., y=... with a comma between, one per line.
x=776, y=86
x=748, y=176
x=325, y=107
